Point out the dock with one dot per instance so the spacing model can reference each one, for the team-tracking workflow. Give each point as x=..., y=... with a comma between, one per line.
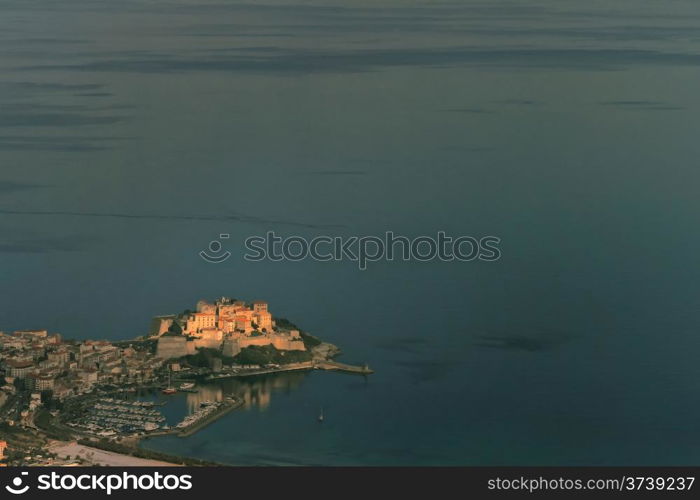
x=201, y=424
x=306, y=365
x=342, y=367
x=228, y=406
x=318, y=364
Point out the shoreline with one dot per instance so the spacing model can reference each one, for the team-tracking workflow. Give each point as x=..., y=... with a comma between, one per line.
x=210, y=419
x=99, y=456
x=94, y=454
x=86, y=451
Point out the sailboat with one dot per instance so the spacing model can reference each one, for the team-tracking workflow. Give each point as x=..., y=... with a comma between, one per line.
x=170, y=389
x=320, y=416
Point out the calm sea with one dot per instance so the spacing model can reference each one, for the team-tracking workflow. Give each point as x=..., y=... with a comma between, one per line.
x=133, y=133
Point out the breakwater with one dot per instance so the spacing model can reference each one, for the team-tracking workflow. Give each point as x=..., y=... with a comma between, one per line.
x=224, y=408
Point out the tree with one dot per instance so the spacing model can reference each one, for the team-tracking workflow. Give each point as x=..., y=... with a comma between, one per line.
x=175, y=328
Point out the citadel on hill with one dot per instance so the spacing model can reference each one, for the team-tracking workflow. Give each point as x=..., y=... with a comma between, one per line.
x=226, y=324
x=54, y=387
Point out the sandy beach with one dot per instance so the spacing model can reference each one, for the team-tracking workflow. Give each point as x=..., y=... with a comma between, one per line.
x=100, y=457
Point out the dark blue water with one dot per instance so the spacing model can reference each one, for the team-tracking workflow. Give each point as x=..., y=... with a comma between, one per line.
x=129, y=130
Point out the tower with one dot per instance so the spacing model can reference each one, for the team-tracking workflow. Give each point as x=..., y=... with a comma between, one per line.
x=259, y=306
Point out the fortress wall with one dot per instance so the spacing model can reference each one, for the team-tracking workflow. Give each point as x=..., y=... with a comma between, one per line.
x=171, y=347
x=160, y=325
x=208, y=342
x=190, y=349
x=206, y=307
x=231, y=348
x=286, y=344
x=283, y=343
x=249, y=341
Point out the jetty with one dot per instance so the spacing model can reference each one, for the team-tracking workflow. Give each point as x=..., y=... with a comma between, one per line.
x=317, y=364
x=226, y=407
x=342, y=367
x=305, y=365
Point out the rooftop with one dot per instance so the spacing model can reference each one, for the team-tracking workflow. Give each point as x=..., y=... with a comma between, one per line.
x=18, y=364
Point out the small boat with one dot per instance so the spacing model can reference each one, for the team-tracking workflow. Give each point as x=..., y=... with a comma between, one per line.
x=320, y=416
x=170, y=389
x=187, y=385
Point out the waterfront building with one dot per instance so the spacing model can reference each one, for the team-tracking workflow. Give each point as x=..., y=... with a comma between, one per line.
x=36, y=334
x=228, y=325
x=19, y=369
x=161, y=325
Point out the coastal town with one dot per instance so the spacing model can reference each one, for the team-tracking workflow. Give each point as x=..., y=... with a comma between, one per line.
x=58, y=394
x=226, y=324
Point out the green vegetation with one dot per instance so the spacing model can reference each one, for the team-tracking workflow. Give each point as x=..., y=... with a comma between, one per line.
x=263, y=355
x=204, y=357
x=47, y=423
x=285, y=324
x=146, y=345
x=75, y=407
x=106, y=445
x=175, y=328
x=21, y=442
x=10, y=430
x=253, y=355
x=309, y=340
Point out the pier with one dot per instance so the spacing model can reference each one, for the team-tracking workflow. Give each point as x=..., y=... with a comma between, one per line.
x=306, y=365
x=319, y=364
x=226, y=407
x=342, y=367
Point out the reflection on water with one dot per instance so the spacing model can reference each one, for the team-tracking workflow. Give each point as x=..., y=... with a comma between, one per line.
x=256, y=392
x=209, y=393
x=564, y=128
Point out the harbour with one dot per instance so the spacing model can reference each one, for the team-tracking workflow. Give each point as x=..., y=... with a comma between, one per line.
x=223, y=408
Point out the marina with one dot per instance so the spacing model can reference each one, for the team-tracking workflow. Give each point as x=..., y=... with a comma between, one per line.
x=109, y=417
x=208, y=412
